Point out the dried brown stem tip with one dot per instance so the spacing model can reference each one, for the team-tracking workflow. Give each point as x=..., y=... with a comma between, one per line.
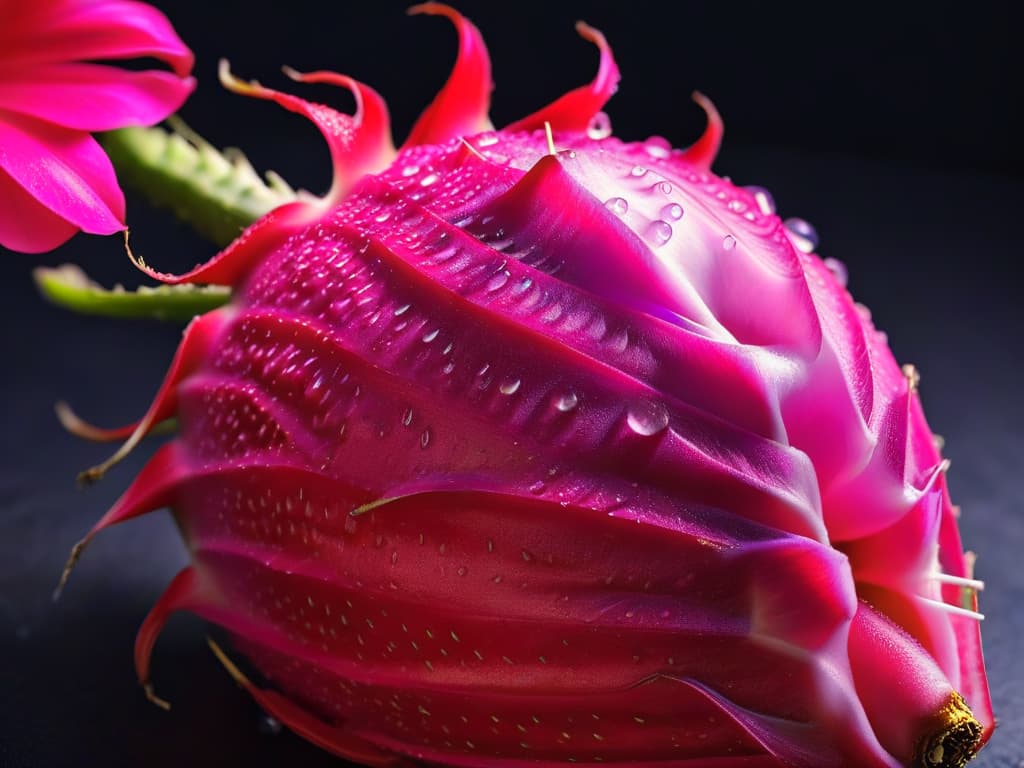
x=954, y=739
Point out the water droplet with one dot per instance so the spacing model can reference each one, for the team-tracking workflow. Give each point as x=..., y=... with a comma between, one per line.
x=737, y=206
x=619, y=341
x=763, y=198
x=567, y=402
x=487, y=139
x=804, y=235
x=838, y=270
x=402, y=310
x=617, y=205
x=509, y=387
x=728, y=242
x=425, y=438
x=658, y=146
x=313, y=391
x=600, y=127
x=638, y=171
x=407, y=417
x=672, y=211
x=410, y=170
x=380, y=219
x=429, y=336
x=498, y=281
x=430, y=178
x=665, y=188
x=269, y=726
x=647, y=417
x=659, y=231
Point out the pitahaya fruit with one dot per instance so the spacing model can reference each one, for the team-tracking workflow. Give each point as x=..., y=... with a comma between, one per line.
x=535, y=446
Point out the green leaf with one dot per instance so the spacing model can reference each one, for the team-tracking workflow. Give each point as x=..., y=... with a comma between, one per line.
x=69, y=287
x=218, y=193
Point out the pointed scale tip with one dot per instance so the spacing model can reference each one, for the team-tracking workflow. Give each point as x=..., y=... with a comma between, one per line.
x=196, y=342
x=358, y=144
x=462, y=105
x=234, y=84
x=183, y=593
x=702, y=152
x=152, y=489
x=233, y=264
x=77, y=426
x=575, y=110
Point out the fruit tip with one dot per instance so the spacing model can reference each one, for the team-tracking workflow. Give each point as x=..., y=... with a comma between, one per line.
x=152, y=698
x=236, y=674
x=433, y=9
x=73, y=557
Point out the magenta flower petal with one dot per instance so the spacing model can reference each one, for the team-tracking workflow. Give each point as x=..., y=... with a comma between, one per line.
x=64, y=170
x=50, y=99
x=93, y=97
x=26, y=225
x=73, y=30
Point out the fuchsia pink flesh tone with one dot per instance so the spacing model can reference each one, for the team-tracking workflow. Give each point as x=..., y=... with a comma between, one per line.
x=526, y=447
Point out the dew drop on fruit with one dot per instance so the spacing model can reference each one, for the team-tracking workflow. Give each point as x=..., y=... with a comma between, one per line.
x=838, y=270
x=804, y=235
x=647, y=417
x=269, y=726
x=660, y=232
x=600, y=127
x=509, y=386
x=763, y=198
x=665, y=188
x=567, y=402
x=672, y=211
x=617, y=205
x=638, y=171
x=658, y=146
x=728, y=242
x=498, y=281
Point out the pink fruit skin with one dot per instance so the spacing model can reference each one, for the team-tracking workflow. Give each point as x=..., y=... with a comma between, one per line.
x=527, y=450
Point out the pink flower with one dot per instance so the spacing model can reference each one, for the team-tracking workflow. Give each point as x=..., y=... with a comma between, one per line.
x=54, y=177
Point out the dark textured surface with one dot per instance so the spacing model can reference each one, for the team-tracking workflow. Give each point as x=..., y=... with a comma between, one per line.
x=933, y=247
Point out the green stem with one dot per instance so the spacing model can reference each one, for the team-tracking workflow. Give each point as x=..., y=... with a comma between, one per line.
x=69, y=287
x=218, y=193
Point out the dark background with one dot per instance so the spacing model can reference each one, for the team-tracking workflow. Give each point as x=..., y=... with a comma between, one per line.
x=894, y=130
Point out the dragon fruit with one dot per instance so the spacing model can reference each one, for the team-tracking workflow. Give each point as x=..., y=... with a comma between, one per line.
x=537, y=446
